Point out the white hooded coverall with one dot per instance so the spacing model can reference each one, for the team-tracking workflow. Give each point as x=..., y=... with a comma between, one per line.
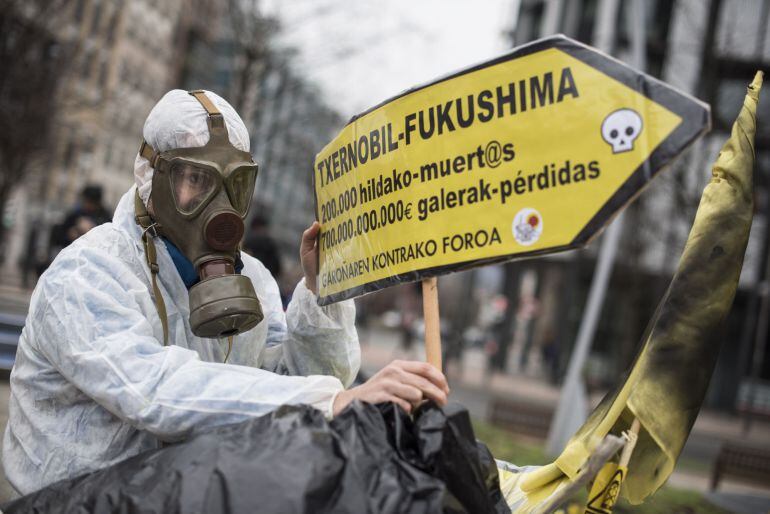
x=93, y=384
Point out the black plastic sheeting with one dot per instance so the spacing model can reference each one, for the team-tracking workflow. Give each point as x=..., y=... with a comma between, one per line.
x=369, y=459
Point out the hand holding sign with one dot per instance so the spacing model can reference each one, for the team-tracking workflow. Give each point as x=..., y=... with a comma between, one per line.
x=308, y=256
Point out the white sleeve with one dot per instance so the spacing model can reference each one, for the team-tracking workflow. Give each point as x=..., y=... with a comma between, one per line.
x=316, y=340
x=89, y=324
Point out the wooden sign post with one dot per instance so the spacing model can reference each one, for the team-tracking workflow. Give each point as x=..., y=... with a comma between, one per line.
x=432, y=322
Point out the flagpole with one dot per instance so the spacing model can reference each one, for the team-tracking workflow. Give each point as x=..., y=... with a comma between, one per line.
x=432, y=322
x=632, y=436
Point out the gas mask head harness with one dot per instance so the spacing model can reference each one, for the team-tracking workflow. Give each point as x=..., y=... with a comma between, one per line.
x=200, y=197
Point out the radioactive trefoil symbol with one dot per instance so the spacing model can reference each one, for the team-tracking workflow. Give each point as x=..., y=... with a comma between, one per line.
x=621, y=128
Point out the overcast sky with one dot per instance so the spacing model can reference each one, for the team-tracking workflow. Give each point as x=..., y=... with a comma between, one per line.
x=364, y=51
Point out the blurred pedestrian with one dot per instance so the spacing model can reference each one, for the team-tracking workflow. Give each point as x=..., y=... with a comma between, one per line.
x=410, y=298
x=260, y=244
x=550, y=354
x=29, y=260
x=85, y=215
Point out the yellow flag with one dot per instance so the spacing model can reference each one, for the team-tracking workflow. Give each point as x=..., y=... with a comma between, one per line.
x=668, y=380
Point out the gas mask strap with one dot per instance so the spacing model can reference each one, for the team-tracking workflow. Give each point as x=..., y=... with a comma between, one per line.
x=148, y=153
x=207, y=104
x=144, y=220
x=215, y=120
x=229, y=348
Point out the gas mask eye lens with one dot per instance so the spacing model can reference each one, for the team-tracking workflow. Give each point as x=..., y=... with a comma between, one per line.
x=191, y=186
x=240, y=186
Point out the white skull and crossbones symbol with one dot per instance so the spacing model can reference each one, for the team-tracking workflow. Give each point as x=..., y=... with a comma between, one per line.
x=621, y=128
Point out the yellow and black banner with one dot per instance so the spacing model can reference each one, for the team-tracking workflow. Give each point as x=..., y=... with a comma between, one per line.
x=530, y=153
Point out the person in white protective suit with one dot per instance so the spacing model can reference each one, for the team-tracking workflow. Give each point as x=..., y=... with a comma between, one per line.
x=128, y=331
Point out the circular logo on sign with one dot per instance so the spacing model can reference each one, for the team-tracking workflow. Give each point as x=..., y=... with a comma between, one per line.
x=527, y=226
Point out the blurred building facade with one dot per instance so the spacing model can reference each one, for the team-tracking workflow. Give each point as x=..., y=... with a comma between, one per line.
x=126, y=56
x=711, y=50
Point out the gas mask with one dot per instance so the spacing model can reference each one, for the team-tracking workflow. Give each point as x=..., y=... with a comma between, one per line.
x=200, y=197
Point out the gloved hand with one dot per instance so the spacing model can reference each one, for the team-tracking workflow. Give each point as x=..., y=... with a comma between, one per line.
x=406, y=383
x=308, y=256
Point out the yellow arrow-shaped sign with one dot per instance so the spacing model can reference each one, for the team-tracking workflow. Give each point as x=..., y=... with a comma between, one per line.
x=526, y=154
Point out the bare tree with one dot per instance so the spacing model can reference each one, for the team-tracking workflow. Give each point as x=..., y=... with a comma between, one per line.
x=34, y=60
x=251, y=33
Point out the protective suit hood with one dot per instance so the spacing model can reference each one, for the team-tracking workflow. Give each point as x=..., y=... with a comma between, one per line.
x=178, y=120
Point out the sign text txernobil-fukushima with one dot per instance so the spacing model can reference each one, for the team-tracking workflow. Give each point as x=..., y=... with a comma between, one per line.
x=529, y=153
